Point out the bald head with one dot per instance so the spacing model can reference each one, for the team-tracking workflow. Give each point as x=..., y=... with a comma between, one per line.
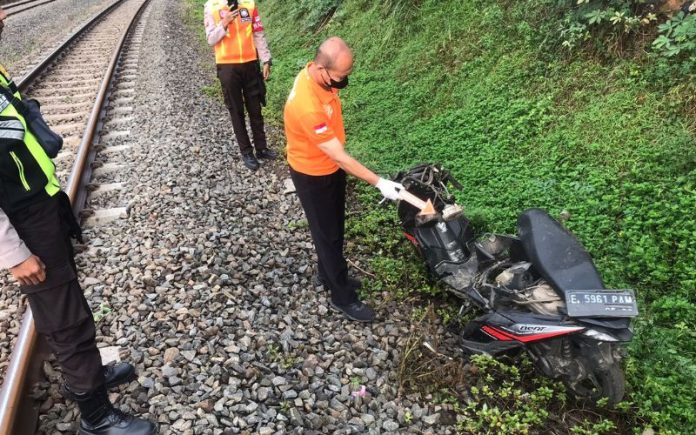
x=334, y=53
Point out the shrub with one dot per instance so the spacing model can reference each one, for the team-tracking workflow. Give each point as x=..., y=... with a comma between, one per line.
x=604, y=24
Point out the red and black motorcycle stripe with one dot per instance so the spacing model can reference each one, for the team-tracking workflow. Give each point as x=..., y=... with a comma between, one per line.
x=501, y=335
x=411, y=238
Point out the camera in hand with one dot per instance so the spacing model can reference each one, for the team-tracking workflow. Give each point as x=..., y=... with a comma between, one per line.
x=233, y=4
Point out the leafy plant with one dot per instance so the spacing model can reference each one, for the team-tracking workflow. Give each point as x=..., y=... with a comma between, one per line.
x=677, y=40
x=608, y=23
x=103, y=311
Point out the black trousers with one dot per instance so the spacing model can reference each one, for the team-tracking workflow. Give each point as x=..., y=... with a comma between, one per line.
x=242, y=86
x=61, y=313
x=323, y=199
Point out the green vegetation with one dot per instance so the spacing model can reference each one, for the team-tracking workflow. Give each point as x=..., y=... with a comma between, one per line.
x=678, y=40
x=603, y=126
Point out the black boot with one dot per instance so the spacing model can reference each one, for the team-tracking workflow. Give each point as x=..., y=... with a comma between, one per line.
x=115, y=374
x=250, y=161
x=358, y=311
x=99, y=417
x=118, y=373
x=267, y=154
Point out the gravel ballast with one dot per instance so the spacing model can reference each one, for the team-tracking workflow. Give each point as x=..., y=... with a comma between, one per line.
x=208, y=280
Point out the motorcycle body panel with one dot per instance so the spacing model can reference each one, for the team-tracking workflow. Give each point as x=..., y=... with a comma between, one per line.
x=495, y=332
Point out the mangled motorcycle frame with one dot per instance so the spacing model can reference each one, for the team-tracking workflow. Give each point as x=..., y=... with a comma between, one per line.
x=537, y=291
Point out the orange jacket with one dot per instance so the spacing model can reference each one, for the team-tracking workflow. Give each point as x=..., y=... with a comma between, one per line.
x=312, y=116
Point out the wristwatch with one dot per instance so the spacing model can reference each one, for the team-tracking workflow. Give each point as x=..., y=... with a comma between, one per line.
x=269, y=62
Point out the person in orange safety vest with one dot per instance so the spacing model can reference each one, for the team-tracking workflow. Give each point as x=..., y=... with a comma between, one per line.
x=234, y=29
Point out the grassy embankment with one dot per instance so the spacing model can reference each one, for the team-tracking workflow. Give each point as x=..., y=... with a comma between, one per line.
x=484, y=88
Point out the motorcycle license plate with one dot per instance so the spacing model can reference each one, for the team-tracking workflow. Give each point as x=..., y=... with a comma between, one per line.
x=601, y=303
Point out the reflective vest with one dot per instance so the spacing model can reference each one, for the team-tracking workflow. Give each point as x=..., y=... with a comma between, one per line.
x=238, y=44
x=26, y=172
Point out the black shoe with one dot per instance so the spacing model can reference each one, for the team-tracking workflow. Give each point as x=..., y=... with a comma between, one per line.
x=116, y=374
x=250, y=161
x=116, y=422
x=318, y=281
x=267, y=154
x=357, y=311
x=99, y=417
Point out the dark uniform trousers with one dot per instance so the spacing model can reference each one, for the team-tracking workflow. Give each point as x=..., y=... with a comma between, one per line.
x=242, y=85
x=61, y=313
x=323, y=199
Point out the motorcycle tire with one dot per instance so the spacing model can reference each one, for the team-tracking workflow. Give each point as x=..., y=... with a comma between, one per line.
x=609, y=383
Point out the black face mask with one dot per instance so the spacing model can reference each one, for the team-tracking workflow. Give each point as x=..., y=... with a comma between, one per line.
x=337, y=85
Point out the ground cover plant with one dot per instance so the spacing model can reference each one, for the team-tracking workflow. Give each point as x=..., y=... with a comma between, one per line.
x=603, y=129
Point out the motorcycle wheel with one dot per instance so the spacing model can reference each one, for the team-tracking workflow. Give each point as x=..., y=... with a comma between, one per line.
x=599, y=383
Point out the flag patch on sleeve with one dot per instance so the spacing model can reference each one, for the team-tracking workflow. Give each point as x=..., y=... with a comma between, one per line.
x=321, y=128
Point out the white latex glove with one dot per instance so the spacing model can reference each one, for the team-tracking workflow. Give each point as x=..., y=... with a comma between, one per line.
x=389, y=189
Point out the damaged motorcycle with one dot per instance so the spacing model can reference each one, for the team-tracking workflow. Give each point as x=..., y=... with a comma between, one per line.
x=536, y=291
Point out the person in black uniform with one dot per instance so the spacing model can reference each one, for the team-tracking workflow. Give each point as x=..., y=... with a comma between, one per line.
x=36, y=227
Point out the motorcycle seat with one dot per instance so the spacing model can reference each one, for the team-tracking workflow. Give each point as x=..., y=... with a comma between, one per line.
x=556, y=254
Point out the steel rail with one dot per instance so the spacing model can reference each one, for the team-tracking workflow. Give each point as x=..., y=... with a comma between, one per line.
x=14, y=4
x=26, y=81
x=30, y=4
x=11, y=393
x=76, y=181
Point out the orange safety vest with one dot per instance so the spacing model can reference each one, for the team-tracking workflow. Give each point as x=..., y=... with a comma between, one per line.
x=238, y=44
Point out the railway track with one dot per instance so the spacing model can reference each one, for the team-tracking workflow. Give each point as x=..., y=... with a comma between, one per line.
x=21, y=6
x=86, y=91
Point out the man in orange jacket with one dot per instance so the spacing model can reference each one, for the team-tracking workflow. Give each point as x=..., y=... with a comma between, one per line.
x=318, y=166
x=234, y=29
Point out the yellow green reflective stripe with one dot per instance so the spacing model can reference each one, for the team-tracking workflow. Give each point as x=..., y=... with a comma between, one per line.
x=45, y=163
x=20, y=168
